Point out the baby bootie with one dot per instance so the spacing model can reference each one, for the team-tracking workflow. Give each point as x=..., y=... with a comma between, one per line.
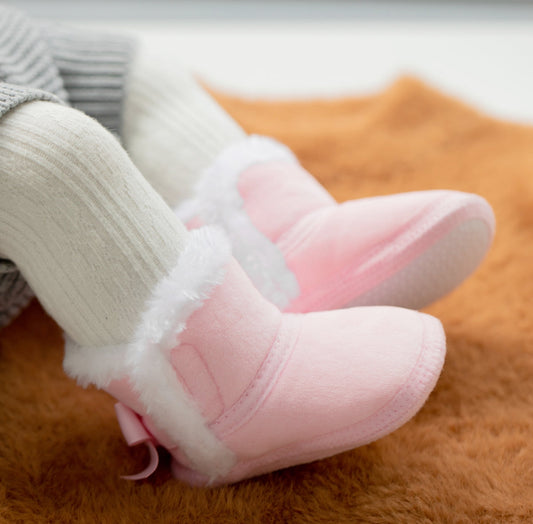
x=234, y=388
x=305, y=252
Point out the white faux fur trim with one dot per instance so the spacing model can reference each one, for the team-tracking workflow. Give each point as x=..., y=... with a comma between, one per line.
x=218, y=201
x=145, y=360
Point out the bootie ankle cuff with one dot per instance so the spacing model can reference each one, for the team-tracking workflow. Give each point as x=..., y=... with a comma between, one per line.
x=144, y=361
x=257, y=168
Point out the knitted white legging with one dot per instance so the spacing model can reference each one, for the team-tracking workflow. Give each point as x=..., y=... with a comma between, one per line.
x=87, y=231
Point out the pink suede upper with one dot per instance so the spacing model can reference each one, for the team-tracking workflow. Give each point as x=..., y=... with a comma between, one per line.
x=345, y=365
x=339, y=252
x=321, y=384
x=232, y=335
x=278, y=194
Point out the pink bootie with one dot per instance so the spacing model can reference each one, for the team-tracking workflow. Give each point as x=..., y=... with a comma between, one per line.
x=304, y=252
x=234, y=388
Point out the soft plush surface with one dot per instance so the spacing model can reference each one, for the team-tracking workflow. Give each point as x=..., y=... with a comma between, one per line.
x=466, y=457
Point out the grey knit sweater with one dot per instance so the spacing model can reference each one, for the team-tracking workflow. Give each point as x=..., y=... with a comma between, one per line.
x=49, y=62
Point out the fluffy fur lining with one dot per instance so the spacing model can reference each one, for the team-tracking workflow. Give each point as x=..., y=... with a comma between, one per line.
x=145, y=360
x=218, y=201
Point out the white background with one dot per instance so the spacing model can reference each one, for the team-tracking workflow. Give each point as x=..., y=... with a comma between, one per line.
x=479, y=51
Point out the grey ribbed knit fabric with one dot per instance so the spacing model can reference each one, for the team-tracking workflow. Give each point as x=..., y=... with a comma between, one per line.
x=15, y=293
x=55, y=63
x=93, y=67
x=27, y=72
x=11, y=95
x=25, y=59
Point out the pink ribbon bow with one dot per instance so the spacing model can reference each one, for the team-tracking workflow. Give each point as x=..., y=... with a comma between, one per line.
x=135, y=433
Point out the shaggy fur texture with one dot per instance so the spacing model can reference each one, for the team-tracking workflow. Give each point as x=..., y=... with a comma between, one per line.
x=466, y=457
x=145, y=360
x=217, y=201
